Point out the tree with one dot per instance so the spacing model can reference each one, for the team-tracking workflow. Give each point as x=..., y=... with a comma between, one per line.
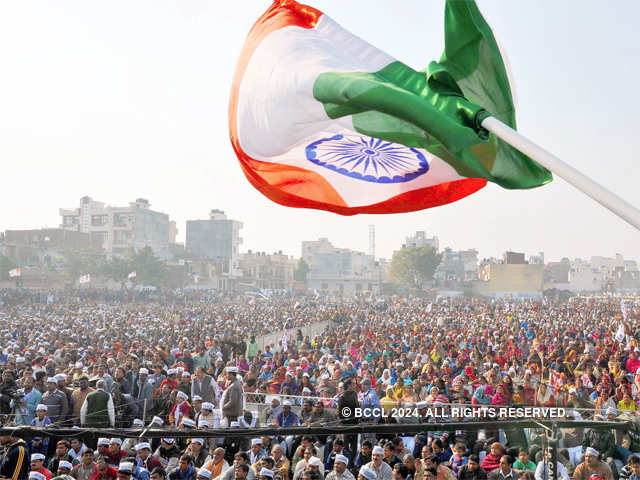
x=6, y=264
x=413, y=266
x=301, y=271
x=150, y=270
x=81, y=262
x=117, y=268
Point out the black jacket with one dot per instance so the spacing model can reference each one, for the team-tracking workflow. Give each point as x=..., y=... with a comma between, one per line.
x=14, y=462
x=348, y=402
x=465, y=474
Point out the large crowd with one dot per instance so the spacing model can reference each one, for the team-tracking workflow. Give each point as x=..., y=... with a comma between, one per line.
x=197, y=360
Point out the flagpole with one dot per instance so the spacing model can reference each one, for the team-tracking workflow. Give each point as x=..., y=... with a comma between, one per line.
x=604, y=197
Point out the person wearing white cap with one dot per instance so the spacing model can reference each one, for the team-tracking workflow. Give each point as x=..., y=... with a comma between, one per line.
x=37, y=465
x=142, y=391
x=340, y=471
x=382, y=469
x=56, y=401
x=592, y=465
x=167, y=453
x=64, y=468
x=217, y=465
x=256, y=452
x=125, y=470
x=180, y=409
x=203, y=474
x=200, y=454
x=232, y=400
x=36, y=476
x=144, y=458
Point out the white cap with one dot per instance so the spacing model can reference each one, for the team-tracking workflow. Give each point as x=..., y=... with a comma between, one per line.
x=421, y=404
x=203, y=423
x=315, y=462
x=60, y=376
x=37, y=476
x=117, y=441
x=592, y=451
x=265, y=472
x=207, y=406
x=188, y=422
x=198, y=440
x=170, y=441
x=20, y=359
x=103, y=441
x=79, y=365
x=143, y=371
x=197, y=398
x=37, y=456
x=342, y=458
x=157, y=420
x=368, y=473
x=235, y=424
x=52, y=380
x=204, y=472
x=235, y=370
x=186, y=374
x=65, y=464
x=142, y=446
x=137, y=422
x=287, y=403
x=182, y=395
x=611, y=411
x=256, y=441
x=42, y=407
x=172, y=371
x=125, y=467
x=377, y=450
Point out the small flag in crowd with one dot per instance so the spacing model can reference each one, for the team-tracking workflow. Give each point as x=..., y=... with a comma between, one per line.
x=319, y=118
x=131, y=275
x=16, y=272
x=285, y=342
x=429, y=308
x=625, y=312
x=85, y=278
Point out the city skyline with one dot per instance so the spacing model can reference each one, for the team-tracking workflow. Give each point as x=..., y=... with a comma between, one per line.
x=127, y=112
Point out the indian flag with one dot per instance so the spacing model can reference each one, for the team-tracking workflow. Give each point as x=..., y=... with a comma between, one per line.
x=16, y=272
x=131, y=275
x=319, y=118
x=85, y=278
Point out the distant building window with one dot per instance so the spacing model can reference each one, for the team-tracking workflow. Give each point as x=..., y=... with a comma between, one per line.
x=70, y=220
x=99, y=220
x=120, y=219
x=100, y=236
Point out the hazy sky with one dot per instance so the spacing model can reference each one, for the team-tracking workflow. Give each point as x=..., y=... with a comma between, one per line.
x=119, y=100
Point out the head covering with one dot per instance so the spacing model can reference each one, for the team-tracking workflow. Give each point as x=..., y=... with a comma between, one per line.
x=37, y=456
x=187, y=422
x=611, y=411
x=168, y=440
x=368, y=473
x=592, y=451
x=125, y=467
x=116, y=440
x=157, y=420
x=42, y=407
x=198, y=440
x=377, y=450
x=265, y=472
x=235, y=424
x=315, y=462
x=287, y=403
x=65, y=464
x=60, y=376
x=342, y=458
x=137, y=422
x=37, y=476
x=207, y=406
x=103, y=441
x=256, y=441
x=232, y=369
x=172, y=371
x=142, y=446
x=197, y=398
x=52, y=380
x=182, y=396
x=203, y=423
x=143, y=371
x=204, y=472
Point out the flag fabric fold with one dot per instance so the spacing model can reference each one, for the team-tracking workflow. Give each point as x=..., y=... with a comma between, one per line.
x=16, y=272
x=319, y=118
x=85, y=278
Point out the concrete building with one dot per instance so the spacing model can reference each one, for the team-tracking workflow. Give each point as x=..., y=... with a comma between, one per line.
x=340, y=271
x=504, y=279
x=217, y=239
x=457, y=266
x=46, y=245
x=267, y=271
x=420, y=239
x=515, y=258
x=119, y=229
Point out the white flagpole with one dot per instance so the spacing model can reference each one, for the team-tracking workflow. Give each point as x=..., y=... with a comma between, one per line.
x=583, y=183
